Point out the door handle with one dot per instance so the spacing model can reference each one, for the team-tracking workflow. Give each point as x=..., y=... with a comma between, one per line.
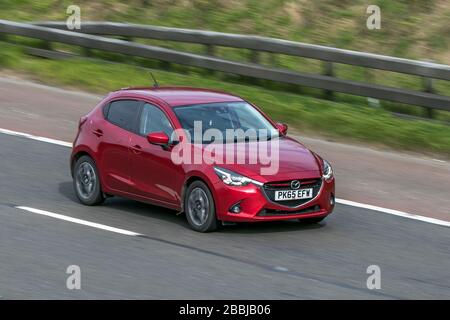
x=136, y=149
x=98, y=133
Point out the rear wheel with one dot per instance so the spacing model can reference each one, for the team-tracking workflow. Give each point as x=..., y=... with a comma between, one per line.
x=86, y=182
x=199, y=208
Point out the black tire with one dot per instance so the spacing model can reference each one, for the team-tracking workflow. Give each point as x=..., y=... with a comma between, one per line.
x=311, y=220
x=80, y=186
x=204, y=223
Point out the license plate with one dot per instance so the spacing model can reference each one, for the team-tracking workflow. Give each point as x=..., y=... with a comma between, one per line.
x=282, y=195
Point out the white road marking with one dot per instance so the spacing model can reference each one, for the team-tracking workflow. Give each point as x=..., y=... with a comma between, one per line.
x=78, y=221
x=340, y=201
x=394, y=212
x=30, y=136
x=281, y=269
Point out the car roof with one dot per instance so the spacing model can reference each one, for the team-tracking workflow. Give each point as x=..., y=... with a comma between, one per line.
x=178, y=96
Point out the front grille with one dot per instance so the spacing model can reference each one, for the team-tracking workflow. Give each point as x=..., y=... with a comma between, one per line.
x=272, y=212
x=270, y=188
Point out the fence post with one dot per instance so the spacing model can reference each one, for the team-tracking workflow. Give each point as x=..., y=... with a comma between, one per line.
x=273, y=59
x=47, y=45
x=428, y=87
x=328, y=70
x=210, y=50
x=254, y=56
x=86, y=52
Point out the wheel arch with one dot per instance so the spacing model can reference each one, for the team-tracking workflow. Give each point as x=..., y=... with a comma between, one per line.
x=197, y=176
x=77, y=155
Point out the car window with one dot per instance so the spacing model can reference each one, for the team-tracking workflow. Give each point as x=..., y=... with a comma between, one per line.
x=246, y=119
x=225, y=116
x=153, y=119
x=122, y=113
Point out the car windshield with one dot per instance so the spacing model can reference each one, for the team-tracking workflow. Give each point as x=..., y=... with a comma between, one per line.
x=224, y=122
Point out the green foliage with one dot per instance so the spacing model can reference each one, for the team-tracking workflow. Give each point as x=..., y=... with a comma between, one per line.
x=416, y=29
x=308, y=115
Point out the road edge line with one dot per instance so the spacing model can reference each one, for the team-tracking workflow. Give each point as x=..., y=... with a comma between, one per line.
x=340, y=201
x=33, y=137
x=394, y=212
x=78, y=221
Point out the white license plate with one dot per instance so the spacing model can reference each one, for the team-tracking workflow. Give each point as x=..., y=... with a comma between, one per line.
x=281, y=195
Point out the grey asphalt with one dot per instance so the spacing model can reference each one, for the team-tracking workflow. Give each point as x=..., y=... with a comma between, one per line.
x=366, y=174
x=287, y=260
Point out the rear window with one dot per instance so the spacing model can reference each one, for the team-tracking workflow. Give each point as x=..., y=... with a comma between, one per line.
x=123, y=113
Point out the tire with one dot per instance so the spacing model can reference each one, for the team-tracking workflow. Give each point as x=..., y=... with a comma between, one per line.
x=199, y=208
x=311, y=220
x=86, y=182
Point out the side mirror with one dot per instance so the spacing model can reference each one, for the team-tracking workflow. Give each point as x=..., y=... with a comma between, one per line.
x=282, y=127
x=158, y=138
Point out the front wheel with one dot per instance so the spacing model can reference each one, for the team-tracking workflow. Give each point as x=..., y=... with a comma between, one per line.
x=199, y=208
x=86, y=182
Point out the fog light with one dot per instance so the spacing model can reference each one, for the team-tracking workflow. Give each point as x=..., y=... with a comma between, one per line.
x=332, y=200
x=236, y=208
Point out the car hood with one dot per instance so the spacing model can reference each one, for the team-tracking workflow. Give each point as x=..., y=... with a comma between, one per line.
x=292, y=160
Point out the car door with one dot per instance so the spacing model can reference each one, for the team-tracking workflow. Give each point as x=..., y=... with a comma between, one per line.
x=115, y=135
x=154, y=175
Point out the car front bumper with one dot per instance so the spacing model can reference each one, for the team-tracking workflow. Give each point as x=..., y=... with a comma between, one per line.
x=255, y=205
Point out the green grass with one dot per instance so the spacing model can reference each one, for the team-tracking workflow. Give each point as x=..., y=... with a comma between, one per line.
x=307, y=114
x=416, y=29
x=410, y=28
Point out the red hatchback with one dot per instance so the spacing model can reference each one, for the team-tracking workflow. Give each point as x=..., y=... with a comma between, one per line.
x=210, y=154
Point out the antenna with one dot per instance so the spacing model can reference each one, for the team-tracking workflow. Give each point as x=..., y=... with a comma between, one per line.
x=155, y=83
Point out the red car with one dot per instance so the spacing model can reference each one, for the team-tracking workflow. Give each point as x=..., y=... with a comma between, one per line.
x=162, y=145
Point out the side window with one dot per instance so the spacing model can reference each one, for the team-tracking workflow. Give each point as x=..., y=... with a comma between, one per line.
x=154, y=120
x=122, y=113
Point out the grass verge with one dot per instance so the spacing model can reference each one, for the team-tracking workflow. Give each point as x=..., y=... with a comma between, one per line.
x=309, y=115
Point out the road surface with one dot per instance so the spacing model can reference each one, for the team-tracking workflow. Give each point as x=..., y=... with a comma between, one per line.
x=405, y=182
x=162, y=258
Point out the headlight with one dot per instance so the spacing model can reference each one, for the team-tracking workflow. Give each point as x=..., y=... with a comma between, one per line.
x=234, y=179
x=327, y=171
